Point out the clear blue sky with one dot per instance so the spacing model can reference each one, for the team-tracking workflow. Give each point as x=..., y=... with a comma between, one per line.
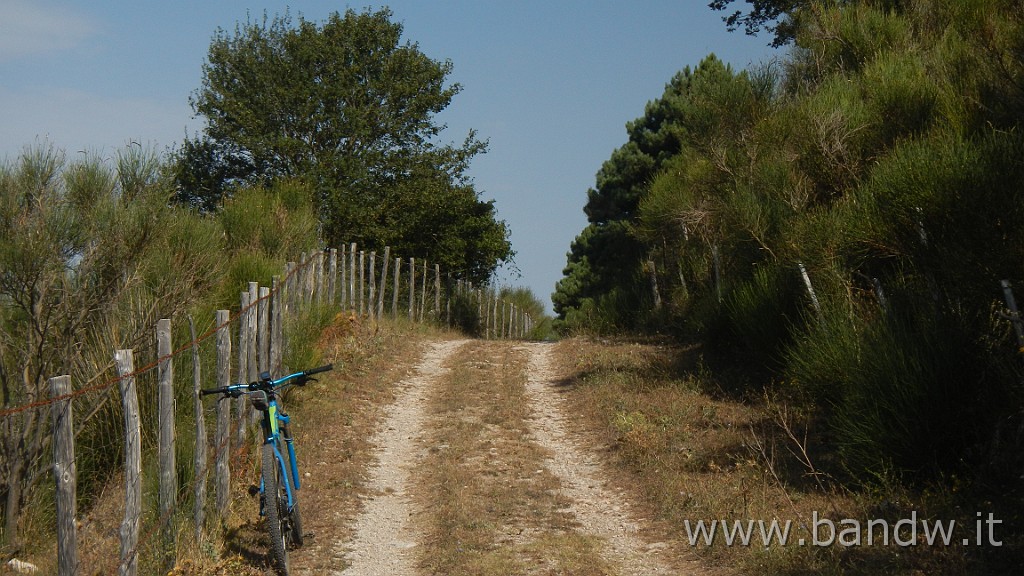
x=550, y=84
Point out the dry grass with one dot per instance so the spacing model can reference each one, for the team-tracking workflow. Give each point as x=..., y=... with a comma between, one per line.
x=690, y=452
x=492, y=506
x=688, y=455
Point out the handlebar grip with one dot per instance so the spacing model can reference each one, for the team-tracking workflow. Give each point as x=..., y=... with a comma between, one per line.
x=207, y=391
x=320, y=369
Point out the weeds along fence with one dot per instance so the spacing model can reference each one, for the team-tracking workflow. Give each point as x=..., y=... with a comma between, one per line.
x=347, y=280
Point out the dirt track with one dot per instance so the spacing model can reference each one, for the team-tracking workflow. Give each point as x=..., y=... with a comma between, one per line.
x=390, y=531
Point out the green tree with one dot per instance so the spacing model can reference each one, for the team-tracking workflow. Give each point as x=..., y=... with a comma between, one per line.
x=606, y=264
x=773, y=15
x=348, y=108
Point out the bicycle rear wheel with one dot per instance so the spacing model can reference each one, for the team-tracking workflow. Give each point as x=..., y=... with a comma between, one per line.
x=276, y=499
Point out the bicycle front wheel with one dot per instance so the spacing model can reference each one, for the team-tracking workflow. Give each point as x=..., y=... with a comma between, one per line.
x=296, y=531
x=276, y=499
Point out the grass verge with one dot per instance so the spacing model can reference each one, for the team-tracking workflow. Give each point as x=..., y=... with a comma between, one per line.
x=690, y=452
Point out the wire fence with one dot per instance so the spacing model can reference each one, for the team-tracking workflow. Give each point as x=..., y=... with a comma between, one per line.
x=346, y=279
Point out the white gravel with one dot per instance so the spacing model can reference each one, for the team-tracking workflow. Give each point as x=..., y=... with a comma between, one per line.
x=602, y=511
x=385, y=540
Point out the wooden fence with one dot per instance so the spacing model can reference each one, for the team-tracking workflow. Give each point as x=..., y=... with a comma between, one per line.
x=348, y=279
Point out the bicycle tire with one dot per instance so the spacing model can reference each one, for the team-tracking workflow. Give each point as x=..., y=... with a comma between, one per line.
x=276, y=509
x=294, y=516
x=296, y=521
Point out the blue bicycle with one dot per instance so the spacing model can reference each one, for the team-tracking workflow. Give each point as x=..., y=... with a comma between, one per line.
x=280, y=479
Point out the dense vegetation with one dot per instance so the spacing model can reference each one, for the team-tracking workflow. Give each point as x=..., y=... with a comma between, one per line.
x=92, y=254
x=883, y=157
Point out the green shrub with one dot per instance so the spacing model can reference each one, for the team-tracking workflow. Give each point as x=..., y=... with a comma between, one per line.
x=279, y=220
x=900, y=96
x=761, y=312
x=466, y=314
x=303, y=333
x=915, y=400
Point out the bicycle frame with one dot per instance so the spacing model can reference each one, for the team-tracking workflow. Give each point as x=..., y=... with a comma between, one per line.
x=274, y=422
x=275, y=427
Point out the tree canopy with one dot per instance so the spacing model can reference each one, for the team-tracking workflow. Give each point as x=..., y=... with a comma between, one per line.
x=348, y=108
x=762, y=14
x=606, y=260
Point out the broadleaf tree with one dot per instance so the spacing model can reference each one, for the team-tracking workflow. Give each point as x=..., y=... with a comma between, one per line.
x=349, y=108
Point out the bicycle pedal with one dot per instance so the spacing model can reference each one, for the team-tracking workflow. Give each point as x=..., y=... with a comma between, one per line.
x=254, y=490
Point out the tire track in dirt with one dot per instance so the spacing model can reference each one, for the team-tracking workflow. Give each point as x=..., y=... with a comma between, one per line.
x=385, y=541
x=600, y=510
x=388, y=542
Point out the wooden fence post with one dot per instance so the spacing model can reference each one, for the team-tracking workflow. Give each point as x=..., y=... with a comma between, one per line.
x=652, y=279
x=480, y=311
x=412, y=289
x=222, y=437
x=423, y=293
x=485, y=295
x=437, y=292
x=352, y=277
x=276, y=324
x=810, y=290
x=332, y=278
x=129, y=532
x=372, y=299
x=243, y=368
x=199, y=515
x=301, y=279
x=311, y=265
x=385, y=262
x=289, y=283
x=494, y=318
x=252, y=356
x=165, y=440
x=263, y=331
x=362, y=280
x=394, y=293
x=321, y=276
x=65, y=475
x=298, y=281
x=341, y=278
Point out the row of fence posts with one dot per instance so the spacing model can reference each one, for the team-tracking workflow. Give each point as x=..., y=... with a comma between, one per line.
x=359, y=281
x=320, y=277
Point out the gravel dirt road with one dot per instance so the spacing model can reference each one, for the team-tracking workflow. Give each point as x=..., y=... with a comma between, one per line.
x=388, y=534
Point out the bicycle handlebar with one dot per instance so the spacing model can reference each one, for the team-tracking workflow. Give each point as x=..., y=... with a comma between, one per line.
x=323, y=368
x=237, y=390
